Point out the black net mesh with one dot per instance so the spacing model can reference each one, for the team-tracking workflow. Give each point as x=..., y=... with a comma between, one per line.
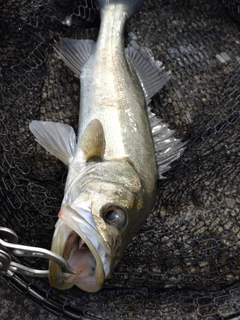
x=185, y=261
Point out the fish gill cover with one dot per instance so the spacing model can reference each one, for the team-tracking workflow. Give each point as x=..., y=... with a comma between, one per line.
x=185, y=261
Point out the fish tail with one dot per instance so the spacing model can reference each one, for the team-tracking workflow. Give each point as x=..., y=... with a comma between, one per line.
x=132, y=5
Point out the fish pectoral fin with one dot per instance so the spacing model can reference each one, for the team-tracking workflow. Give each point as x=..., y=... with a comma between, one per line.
x=57, y=138
x=92, y=141
x=148, y=70
x=75, y=52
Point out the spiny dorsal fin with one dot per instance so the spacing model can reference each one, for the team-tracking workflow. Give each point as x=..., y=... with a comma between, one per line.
x=92, y=140
x=75, y=52
x=57, y=138
x=167, y=148
x=148, y=70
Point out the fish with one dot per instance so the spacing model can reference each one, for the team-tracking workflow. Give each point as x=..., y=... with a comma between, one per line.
x=120, y=151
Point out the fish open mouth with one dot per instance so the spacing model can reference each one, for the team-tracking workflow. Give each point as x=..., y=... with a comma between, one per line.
x=77, y=240
x=80, y=258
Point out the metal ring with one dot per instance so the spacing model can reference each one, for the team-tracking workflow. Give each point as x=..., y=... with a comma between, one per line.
x=8, y=235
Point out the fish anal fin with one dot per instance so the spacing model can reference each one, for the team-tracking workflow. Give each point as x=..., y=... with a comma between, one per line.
x=92, y=141
x=148, y=70
x=57, y=138
x=74, y=52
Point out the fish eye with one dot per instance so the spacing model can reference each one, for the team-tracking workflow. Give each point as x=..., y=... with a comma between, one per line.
x=115, y=215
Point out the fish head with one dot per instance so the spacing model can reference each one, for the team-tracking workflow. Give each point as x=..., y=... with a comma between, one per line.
x=94, y=230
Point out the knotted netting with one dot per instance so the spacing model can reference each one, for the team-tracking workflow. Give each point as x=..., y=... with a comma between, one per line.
x=185, y=261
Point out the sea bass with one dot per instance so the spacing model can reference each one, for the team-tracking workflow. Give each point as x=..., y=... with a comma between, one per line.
x=112, y=165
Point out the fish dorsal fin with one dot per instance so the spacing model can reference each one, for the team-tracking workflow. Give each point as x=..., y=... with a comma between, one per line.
x=92, y=141
x=57, y=138
x=167, y=148
x=148, y=70
x=75, y=52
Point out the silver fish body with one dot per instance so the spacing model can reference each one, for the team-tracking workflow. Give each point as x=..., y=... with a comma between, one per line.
x=111, y=184
x=111, y=92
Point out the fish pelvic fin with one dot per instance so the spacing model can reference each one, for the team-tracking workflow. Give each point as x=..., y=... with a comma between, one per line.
x=74, y=52
x=92, y=141
x=131, y=5
x=167, y=148
x=148, y=70
x=57, y=138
